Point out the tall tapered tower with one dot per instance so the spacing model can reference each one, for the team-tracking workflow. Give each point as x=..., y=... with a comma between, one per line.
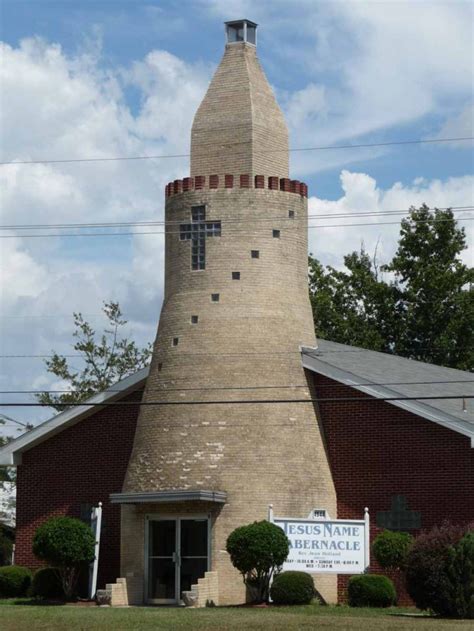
x=218, y=449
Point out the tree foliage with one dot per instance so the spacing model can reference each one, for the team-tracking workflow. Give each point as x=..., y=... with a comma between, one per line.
x=258, y=550
x=419, y=305
x=67, y=544
x=108, y=358
x=436, y=569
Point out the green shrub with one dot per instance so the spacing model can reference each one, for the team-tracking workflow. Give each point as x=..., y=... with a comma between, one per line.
x=460, y=571
x=371, y=590
x=391, y=548
x=47, y=583
x=14, y=581
x=257, y=551
x=67, y=544
x=292, y=588
x=429, y=582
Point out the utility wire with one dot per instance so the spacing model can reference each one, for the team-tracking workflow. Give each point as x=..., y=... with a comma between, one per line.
x=314, y=355
x=242, y=401
x=230, y=231
x=187, y=155
x=123, y=224
x=282, y=387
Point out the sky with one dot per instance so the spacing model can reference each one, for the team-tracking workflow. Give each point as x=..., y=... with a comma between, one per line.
x=110, y=78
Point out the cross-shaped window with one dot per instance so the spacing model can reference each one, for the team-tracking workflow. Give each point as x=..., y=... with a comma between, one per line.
x=196, y=232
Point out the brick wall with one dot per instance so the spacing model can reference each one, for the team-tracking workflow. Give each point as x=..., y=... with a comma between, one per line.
x=83, y=464
x=377, y=451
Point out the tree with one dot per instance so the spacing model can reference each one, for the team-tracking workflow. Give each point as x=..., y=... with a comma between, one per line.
x=435, y=299
x=440, y=570
x=424, y=312
x=107, y=360
x=258, y=550
x=352, y=307
x=67, y=544
x=8, y=475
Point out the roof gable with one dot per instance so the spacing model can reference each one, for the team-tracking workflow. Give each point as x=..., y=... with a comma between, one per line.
x=10, y=454
x=381, y=375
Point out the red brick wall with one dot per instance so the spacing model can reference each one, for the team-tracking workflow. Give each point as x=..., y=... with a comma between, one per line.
x=80, y=465
x=377, y=451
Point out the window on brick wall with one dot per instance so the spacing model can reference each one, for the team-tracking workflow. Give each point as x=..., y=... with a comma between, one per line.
x=215, y=297
x=175, y=341
x=276, y=234
x=235, y=275
x=291, y=214
x=194, y=319
x=255, y=254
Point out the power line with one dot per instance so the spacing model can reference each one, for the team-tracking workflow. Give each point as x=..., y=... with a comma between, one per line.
x=269, y=387
x=187, y=155
x=242, y=401
x=120, y=224
x=230, y=231
x=314, y=355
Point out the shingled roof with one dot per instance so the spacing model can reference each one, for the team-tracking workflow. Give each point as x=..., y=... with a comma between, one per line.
x=358, y=368
x=366, y=371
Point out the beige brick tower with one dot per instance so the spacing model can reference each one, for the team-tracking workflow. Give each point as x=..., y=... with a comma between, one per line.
x=235, y=314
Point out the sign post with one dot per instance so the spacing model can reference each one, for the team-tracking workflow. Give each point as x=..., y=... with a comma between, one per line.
x=326, y=546
x=96, y=522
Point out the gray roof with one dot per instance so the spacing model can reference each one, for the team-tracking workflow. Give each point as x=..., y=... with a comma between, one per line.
x=400, y=377
x=350, y=365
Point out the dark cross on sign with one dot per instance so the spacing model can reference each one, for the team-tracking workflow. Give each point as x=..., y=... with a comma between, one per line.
x=399, y=517
x=196, y=232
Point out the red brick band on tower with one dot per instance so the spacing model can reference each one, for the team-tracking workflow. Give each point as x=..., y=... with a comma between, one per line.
x=199, y=183
x=245, y=181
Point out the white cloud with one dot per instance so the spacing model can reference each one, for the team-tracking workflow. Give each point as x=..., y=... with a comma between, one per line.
x=61, y=106
x=373, y=66
x=361, y=194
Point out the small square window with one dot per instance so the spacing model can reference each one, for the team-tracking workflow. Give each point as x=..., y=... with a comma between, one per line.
x=291, y=214
x=255, y=254
x=194, y=319
x=276, y=234
x=175, y=341
x=235, y=275
x=215, y=297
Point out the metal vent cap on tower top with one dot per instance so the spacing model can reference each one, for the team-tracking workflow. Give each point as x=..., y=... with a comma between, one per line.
x=241, y=31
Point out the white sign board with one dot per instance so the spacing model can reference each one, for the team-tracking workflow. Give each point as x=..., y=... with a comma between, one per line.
x=337, y=546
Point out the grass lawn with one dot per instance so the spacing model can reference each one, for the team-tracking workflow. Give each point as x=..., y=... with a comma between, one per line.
x=22, y=614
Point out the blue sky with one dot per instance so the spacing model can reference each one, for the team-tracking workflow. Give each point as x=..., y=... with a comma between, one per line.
x=111, y=78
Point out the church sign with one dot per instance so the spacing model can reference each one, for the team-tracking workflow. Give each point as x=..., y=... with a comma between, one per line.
x=332, y=546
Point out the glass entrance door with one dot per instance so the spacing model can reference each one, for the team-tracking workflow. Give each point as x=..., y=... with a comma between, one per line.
x=177, y=556
x=162, y=558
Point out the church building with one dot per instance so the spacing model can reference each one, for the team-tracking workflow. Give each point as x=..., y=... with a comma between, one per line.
x=241, y=407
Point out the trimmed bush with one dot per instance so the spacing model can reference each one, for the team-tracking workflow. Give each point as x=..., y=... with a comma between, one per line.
x=292, y=588
x=257, y=551
x=391, y=548
x=47, y=583
x=427, y=579
x=14, y=581
x=67, y=544
x=371, y=590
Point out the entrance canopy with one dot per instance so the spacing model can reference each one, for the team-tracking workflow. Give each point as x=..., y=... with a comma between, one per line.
x=161, y=497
